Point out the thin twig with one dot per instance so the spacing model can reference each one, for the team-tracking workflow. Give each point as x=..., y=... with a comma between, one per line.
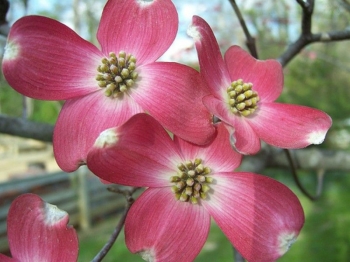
x=307, y=37
x=250, y=40
x=129, y=199
x=297, y=180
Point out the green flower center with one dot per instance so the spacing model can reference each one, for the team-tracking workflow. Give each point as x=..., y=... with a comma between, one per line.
x=117, y=74
x=191, y=181
x=242, y=99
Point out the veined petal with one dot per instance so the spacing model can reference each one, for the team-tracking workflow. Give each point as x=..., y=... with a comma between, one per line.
x=38, y=231
x=266, y=76
x=212, y=65
x=81, y=121
x=145, y=29
x=172, y=93
x=175, y=231
x=290, y=126
x=219, y=155
x=260, y=216
x=45, y=59
x=139, y=153
x=242, y=136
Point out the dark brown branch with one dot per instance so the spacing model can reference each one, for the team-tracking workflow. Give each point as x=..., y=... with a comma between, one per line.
x=130, y=200
x=308, y=9
x=307, y=37
x=298, y=182
x=305, y=40
x=25, y=128
x=250, y=42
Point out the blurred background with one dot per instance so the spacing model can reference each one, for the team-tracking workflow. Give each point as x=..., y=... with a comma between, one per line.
x=319, y=76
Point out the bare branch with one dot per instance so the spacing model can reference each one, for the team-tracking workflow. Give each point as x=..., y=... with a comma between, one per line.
x=250, y=42
x=25, y=128
x=305, y=40
x=129, y=201
x=307, y=37
x=298, y=182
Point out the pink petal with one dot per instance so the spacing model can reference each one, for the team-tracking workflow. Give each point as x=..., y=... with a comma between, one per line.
x=38, y=231
x=81, y=121
x=145, y=29
x=266, y=76
x=4, y=258
x=139, y=153
x=161, y=228
x=45, y=59
x=242, y=136
x=290, y=126
x=260, y=216
x=172, y=93
x=218, y=155
x=212, y=65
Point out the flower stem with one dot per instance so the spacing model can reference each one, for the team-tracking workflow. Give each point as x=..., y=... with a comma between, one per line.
x=128, y=195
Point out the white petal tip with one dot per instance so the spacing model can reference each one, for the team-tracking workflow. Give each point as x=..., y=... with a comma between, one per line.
x=53, y=214
x=317, y=137
x=11, y=51
x=193, y=32
x=145, y=2
x=107, y=138
x=147, y=255
x=285, y=241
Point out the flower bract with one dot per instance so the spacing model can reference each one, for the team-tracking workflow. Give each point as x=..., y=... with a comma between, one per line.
x=44, y=59
x=38, y=231
x=187, y=185
x=243, y=94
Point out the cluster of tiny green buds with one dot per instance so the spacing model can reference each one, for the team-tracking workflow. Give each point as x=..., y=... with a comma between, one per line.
x=191, y=181
x=242, y=99
x=117, y=74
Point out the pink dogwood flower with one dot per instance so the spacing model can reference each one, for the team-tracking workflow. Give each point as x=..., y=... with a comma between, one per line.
x=38, y=231
x=187, y=185
x=45, y=59
x=243, y=94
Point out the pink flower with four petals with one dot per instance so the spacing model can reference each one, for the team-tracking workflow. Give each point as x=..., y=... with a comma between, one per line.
x=243, y=94
x=187, y=186
x=45, y=59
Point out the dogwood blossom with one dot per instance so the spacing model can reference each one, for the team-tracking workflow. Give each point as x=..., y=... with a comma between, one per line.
x=187, y=185
x=243, y=94
x=45, y=59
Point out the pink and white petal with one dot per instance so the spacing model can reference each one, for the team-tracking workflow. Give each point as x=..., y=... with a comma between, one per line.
x=212, y=65
x=139, y=153
x=45, y=59
x=242, y=136
x=175, y=231
x=38, y=231
x=145, y=29
x=260, y=216
x=172, y=93
x=219, y=155
x=82, y=120
x=266, y=76
x=290, y=126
